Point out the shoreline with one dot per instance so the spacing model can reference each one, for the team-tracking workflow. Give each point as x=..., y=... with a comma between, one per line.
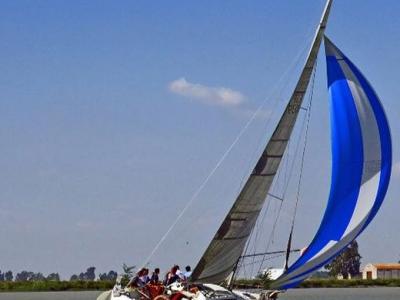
x=55, y=286
x=83, y=286
x=325, y=283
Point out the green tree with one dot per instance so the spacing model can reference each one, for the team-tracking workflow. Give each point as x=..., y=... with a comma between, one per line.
x=347, y=263
x=37, y=277
x=53, y=277
x=24, y=276
x=74, y=278
x=111, y=276
x=128, y=273
x=9, y=276
x=28, y=276
x=265, y=279
x=89, y=275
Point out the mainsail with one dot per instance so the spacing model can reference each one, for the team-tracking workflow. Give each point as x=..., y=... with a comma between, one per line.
x=361, y=166
x=228, y=244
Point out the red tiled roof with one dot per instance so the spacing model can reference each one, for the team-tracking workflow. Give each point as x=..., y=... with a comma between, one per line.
x=387, y=266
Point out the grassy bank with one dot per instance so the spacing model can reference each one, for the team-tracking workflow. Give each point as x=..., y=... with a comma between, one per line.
x=325, y=283
x=39, y=286
x=334, y=283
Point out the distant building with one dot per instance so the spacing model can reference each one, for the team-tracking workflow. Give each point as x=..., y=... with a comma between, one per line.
x=341, y=277
x=381, y=271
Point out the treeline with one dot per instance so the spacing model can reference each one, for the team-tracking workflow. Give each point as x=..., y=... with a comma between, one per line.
x=28, y=276
x=90, y=275
x=53, y=286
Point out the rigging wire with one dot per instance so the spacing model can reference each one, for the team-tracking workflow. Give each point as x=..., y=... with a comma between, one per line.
x=287, y=177
x=261, y=220
x=270, y=240
x=223, y=157
x=301, y=170
x=304, y=149
x=304, y=126
x=258, y=261
x=256, y=230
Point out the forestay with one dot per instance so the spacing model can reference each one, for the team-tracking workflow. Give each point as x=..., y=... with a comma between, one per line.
x=361, y=166
x=228, y=243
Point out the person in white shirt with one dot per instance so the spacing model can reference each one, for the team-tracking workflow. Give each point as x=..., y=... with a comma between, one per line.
x=187, y=273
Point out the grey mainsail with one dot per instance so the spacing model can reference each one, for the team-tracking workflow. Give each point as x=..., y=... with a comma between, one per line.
x=224, y=251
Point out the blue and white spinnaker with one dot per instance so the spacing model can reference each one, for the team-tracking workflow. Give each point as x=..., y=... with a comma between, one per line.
x=361, y=166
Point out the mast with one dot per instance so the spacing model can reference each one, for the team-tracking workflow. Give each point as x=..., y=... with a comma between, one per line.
x=228, y=244
x=289, y=246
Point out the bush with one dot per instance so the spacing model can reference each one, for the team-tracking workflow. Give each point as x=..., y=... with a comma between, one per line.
x=327, y=283
x=48, y=285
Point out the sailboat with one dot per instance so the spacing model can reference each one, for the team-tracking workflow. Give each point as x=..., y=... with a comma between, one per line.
x=361, y=168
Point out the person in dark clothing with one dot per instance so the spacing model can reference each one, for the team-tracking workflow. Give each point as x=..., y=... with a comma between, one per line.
x=145, y=276
x=140, y=277
x=155, y=276
x=172, y=276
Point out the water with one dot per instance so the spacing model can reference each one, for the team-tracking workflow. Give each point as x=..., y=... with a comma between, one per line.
x=50, y=296
x=298, y=294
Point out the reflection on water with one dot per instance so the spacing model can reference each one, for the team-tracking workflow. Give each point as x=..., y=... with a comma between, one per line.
x=300, y=294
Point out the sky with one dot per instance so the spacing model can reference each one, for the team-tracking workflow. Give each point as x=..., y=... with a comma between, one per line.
x=114, y=113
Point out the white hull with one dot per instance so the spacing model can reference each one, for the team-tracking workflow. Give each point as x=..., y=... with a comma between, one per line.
x=109, y=295
x=122, y=297
x=219, y=291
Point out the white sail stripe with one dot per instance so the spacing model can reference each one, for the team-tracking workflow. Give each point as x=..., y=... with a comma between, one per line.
x=366, y=116
x=304, y=270
x=370, y=176
x=328, y=246
x=371, y=149
x=365, y=202
x=365, y=112
x=364, y=191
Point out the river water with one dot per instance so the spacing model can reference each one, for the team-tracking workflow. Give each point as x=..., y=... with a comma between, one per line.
x=298, y=294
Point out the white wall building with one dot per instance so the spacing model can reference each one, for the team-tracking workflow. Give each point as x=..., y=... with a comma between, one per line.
x=381, y=271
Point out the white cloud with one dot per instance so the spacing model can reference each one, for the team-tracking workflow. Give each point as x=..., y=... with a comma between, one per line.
x=210, y=95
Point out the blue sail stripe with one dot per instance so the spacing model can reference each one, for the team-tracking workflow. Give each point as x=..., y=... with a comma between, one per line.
x=348, y=162
x=336, y=250
x=345, y=129
x=342, y=189
x=294, y=281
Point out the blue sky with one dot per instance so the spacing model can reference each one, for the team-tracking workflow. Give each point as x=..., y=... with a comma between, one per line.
x=113, y=114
